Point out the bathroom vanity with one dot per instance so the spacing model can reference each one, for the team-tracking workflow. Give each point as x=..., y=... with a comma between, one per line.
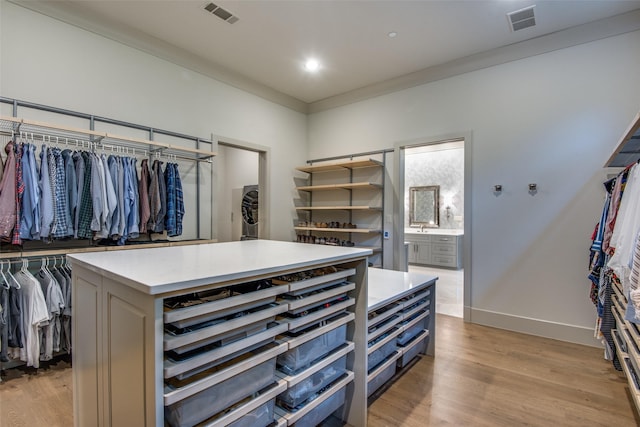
x=435, y=247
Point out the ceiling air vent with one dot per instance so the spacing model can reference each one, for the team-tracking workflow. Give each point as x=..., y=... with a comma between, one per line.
x=521, y=19
x=221, y=13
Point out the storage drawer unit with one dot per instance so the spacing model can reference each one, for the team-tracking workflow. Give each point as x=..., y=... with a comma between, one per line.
x=202, y=336
x=317, y=339
x=399, y=317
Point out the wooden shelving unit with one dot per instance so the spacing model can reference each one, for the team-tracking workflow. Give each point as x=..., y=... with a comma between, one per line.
x=349, y=191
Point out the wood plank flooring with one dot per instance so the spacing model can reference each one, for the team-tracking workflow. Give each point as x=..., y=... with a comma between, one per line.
x=480, y=377
x=483, y=376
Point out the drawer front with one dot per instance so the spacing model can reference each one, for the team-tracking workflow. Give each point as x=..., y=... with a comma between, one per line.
x=444, y=239
x=417, y=238
x=444, y=260
x=443, y=248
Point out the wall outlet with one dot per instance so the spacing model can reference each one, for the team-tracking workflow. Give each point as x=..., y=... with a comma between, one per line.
x=385, y=235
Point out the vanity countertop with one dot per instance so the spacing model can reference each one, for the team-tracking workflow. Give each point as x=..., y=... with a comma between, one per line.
x=437, y=231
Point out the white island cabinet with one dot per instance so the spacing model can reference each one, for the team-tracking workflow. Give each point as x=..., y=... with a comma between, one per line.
x=201, y=334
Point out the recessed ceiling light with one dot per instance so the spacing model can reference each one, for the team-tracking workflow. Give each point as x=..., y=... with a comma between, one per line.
x=312, y=65
x=392, y=34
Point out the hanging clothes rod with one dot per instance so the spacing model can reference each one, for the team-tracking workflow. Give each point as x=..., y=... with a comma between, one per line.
x=98, y=140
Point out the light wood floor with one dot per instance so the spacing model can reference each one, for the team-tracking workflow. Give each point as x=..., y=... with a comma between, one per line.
x=480, y=377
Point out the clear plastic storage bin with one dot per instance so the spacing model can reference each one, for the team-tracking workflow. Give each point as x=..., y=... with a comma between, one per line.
x=381, y=379
x=262, y=416
x=410, y=333
x=376, y=357
x=200, y=406
x=302, y=391
x=305, y=354
x=323, y=410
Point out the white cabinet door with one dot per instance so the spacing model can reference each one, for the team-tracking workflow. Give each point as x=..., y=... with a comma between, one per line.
x=423, y=255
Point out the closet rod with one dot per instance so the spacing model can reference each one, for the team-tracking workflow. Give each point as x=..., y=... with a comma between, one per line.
x=103, y=138
x=347, y=156
x=18, y=103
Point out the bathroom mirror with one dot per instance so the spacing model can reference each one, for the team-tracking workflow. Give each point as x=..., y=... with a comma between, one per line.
x=424, y=206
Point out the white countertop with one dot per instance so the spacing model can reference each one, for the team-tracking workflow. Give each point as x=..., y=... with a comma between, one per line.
x=385, y=285
x=436, y=231
x=159, y=270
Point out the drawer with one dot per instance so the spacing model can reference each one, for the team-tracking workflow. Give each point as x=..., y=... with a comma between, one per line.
x=304, y=355
x=383, y=313
x=410, y=332
x=303, y=320
x=323, y=374
x=418, y=319
x=318, y=409
x=381, y=328
x=206, y=333
x=176, y=390
x=381, y=353
x=417, y=238
x=199, y=312
x=262, y=416
x=413, y=298
x=413, y=309
x=382, y=374
x=444, y=239
x=443, y=249
x=255, y=412
x=298, y=282
x=199, y=407
x=413, y=348
x=444, y=260
x=392, y=335
x=187, y=364
x=310, y=300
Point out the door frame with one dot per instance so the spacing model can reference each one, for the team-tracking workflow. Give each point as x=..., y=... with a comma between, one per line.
x=264, y=168
x=400, y=258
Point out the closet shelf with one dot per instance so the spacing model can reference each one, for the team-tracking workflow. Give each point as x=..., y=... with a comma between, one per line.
x=341, y=230
x=339, y=208
x=344, y=186
x=54, y=252
x=66, y=135
x=628, y=149
x=351, y=164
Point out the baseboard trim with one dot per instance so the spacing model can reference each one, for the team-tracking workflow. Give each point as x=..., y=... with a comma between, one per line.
x=541, y=328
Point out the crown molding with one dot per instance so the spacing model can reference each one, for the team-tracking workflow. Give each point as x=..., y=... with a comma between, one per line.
x=75, y=15
x=78, y=16
x=580, y=34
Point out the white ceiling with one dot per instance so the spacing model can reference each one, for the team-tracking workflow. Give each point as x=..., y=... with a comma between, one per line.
x=264, y=51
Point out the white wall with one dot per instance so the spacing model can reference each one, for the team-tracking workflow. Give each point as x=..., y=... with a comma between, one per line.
x=551, y=119
x=45, y=61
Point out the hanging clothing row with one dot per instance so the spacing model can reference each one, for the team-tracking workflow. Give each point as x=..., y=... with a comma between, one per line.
x=85, y=195
x=35, y=312
x=615, y=254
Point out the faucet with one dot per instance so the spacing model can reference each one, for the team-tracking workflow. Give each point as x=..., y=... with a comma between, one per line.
x=422, y=228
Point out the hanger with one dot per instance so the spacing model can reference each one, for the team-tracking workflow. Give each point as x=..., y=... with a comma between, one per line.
x=11, y=276
x=6, y=281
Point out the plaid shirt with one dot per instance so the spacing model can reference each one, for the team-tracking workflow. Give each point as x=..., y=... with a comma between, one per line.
x=61, y=227
x=179, y=201
x=170, y=218
x=16, y=240
x=86, y=205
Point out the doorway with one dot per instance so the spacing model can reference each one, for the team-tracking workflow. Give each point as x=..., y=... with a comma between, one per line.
x=442, y=164
x=241, y=208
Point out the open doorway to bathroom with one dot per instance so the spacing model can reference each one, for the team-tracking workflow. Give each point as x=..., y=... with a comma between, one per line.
x=434, y=221
x=240, y=201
